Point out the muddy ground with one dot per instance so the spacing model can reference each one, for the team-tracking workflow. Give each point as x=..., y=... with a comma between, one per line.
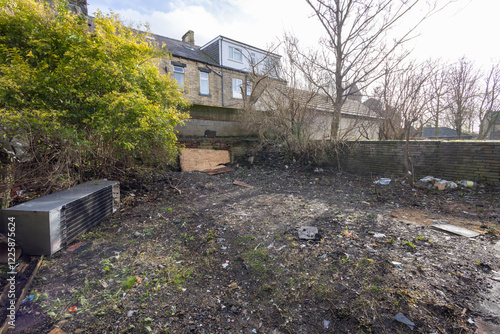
x=193, y=253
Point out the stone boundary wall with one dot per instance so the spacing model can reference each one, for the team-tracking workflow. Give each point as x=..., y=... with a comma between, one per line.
x=450, y=160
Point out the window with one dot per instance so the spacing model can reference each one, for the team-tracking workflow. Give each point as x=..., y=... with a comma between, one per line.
x=235, y=54
x=237, y=88
x=204, y=83
x=179, y=75
x=252, y=58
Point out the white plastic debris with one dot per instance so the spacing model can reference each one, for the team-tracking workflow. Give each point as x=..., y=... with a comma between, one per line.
x=383, y=181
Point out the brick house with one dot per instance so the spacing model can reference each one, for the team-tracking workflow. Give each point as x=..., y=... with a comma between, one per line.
x=216, y=79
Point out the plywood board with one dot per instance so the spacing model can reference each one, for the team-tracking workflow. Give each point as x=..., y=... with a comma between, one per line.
x=456, y=230
x=195, y=159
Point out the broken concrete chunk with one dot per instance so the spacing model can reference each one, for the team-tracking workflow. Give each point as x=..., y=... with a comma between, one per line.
x=308, y=233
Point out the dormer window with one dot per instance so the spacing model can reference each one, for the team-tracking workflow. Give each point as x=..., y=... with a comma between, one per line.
x=235, y=54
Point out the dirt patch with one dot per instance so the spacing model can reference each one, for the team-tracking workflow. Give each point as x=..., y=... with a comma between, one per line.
x=198, y=253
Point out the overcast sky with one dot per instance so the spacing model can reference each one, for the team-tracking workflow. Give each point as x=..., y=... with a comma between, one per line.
x=466, y=28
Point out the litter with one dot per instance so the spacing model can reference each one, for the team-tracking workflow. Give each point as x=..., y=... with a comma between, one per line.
x=326, y=323
x=379, y=235
x=383, y=181
x=243, y=184
x=397, y=264
x=73, y=309
x=439, y=183
x=456, y=230
x=467, y=184
x=401, y=318
x=308, y=233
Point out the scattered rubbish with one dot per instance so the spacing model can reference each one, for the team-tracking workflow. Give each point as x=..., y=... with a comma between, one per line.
x=30, y=298
x=401, y=318
x=254, y=330
x=271, y=245
x=243, y=184
x=379, y=235
x=309, y=233
x=397, y=264
x=104, y=284
x=443, y=184
x=224, y=265
x=137, y=234
x=73, y=309
x=470, y=321
x=322, y=256
x=281, y=247
x=467, y=184
x=318, y=170
x=456, y=230
x=130, y=313
x=194, y=159
x=383, y=181
x=439, y=183
x=370, y=249
x=233, y=285
x=326, y=323
x=428, y=179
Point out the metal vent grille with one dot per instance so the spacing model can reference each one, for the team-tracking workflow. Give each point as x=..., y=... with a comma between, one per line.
x=82, y=214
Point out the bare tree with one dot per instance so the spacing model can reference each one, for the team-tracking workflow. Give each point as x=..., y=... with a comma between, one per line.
x=463, y=79
x=488, y=109
x=357, y=45
x=406, y=91
x=439, y=90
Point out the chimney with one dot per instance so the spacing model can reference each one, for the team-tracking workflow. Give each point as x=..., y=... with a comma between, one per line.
x=188, y=37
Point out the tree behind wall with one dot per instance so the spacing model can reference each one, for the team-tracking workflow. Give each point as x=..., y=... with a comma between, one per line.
x=358, y=43
x=463, y=80
x=82, y=101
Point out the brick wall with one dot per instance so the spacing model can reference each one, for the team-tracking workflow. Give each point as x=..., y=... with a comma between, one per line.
x=449, y=160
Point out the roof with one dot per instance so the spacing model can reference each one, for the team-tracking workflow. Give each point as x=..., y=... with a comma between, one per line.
x=184, y=50
x=321, y=103
x=442, y=132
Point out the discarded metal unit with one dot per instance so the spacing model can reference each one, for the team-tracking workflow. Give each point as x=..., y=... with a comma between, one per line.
x=47, y=224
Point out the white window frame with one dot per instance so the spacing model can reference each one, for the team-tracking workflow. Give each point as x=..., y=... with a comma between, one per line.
x=204, y=83
x=179, y=75
x=237, y=83
x=252, y=58
x=236, y=54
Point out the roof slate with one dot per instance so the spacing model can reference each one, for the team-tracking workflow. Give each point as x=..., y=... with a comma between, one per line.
x=184, y=50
